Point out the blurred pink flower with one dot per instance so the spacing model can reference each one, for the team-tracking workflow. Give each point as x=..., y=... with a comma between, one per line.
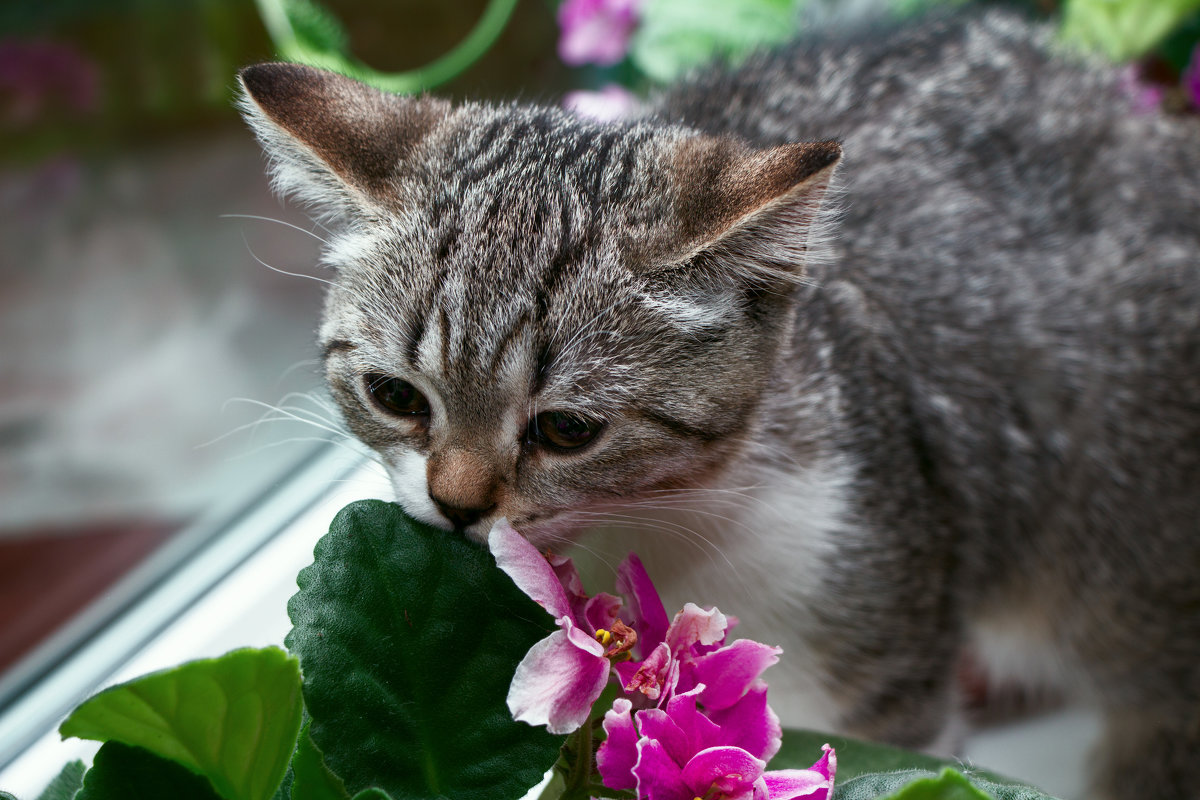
x=596, y=31
x=37, y=76
x=1144, y=97
x=1190, y=80
x=611, y=103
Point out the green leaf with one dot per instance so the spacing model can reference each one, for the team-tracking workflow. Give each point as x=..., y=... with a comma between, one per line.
x=233, y=719
x=121, y=772
x=307, y=32
x=313, y=779
x=408, y=637
x=6, y=796
x=949, y=784
x=675, y=36
x=801, y=748
x=1122, y=29
x=315, y=29
x=66, y=783
x=883, y=769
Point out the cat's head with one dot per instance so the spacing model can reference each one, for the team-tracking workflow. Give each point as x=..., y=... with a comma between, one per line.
x=534, y=315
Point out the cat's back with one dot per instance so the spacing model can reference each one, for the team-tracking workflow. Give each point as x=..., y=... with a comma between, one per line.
x=1023, y=247
x=968, y=134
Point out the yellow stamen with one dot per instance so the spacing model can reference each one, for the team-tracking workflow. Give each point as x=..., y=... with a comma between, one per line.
x=604, y=637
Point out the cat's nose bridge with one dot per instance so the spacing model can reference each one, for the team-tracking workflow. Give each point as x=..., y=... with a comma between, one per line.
x=464, y=484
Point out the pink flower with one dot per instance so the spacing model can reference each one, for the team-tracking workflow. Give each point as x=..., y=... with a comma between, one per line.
x=691, y=653
x=562, y=675
x=1144, y=97
x=680, y=754
x=596, y=31
x=1190, y=80
x=611, y=103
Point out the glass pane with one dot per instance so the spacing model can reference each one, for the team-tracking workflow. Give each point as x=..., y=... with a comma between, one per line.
x=158, y=371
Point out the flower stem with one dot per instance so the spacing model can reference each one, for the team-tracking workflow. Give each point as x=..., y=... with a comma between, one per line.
x=576, y=764
x=279, y=24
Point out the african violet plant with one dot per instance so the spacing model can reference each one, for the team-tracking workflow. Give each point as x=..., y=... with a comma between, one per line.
x=422, y=666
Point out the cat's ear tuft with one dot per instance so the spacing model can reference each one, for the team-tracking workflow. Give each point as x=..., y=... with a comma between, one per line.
x=334, y=142
x=751, y=210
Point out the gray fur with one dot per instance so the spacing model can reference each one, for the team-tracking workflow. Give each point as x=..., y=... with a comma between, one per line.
x=964, y=396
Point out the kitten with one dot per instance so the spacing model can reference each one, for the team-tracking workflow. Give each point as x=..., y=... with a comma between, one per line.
x=945, y=397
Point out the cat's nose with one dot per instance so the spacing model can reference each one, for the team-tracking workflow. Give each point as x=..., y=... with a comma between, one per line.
x=460, y=517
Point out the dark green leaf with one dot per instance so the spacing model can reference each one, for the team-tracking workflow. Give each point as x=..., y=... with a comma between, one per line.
x=6, y=796
x=885, y=769
x=66, y=784
x=802, y=748
x=408, y=637
x=233, y=719
x=313, y=780
x=949, y=784
x=121, y=772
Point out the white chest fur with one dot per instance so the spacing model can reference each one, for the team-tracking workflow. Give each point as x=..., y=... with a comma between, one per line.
x=758, y=550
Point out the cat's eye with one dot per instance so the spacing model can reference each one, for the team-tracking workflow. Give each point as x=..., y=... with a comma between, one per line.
x=396, y=395
x=562, y=430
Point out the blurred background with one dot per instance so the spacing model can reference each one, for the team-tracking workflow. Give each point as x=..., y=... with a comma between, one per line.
x=156, y=364
x=151, y=359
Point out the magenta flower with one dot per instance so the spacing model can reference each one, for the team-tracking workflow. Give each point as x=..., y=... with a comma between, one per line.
x=692, y=653
x=596, y=31
x=1190, y=80
x=679, y=754
x=1144, y=97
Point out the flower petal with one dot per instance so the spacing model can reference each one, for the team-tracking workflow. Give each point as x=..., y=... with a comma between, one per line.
x=618, y=752
x=656, y=677
x=600, y=611
x=732, y=768
x=557, y=682
x=528, y=568
x=701, y=732
x=788, y=784
x=658, y=776
x=654, y=723
x=645, y=606
x=694, y=625
x=827, y=763
x=728, y=673
x=750, y=723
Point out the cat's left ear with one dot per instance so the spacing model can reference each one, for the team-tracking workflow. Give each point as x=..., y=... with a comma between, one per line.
x=334, y=142
x=746, y=210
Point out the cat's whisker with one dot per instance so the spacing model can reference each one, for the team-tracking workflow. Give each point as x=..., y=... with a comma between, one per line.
x=304, y=362
x=332, y=284
x=676, y=528
x=289, y=413
x=285, y=223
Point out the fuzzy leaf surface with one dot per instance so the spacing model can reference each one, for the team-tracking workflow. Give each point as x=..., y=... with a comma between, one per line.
x=408, y=637
x=121, y=772
x=313, y=780
x=65, y=784
x=949, y=784
x=233, y=719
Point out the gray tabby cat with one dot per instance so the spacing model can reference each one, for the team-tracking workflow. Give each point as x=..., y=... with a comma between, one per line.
x=945, y=400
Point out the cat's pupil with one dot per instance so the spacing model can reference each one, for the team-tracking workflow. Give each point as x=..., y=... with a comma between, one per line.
x=396, y=395
x=564, y=430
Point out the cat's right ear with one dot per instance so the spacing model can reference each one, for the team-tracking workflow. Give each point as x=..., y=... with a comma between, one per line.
x=334, y=143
